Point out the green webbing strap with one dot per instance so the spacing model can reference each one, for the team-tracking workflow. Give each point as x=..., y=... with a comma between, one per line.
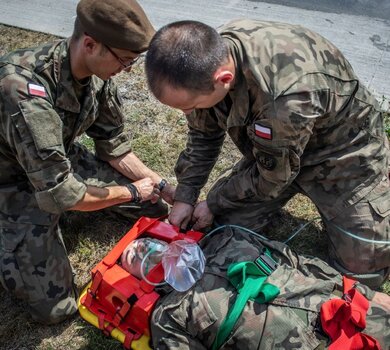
x=248, y=279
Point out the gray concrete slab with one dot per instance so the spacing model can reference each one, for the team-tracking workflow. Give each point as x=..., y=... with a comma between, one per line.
x=371, y=8
x=364, y=40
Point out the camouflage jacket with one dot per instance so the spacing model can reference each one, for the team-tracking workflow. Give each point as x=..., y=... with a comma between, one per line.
x=190, y=320
x=297, y=112
x=43, y=109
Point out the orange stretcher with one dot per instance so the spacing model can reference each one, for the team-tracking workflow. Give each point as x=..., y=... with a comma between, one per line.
x=119, y=303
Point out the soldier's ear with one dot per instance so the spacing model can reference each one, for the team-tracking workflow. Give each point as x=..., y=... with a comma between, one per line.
x=223, y=77
x=89, y=44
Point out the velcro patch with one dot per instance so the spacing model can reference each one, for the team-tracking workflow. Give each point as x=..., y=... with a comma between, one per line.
x=263, y=132
x=36, y=90
x=267, y=161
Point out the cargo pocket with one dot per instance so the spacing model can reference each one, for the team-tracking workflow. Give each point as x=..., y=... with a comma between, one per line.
x=45, y=127
x=189, y=313
x=380, y=202
x=277, y=166
x=10, y=276
x=202, y=314
x=288, y=329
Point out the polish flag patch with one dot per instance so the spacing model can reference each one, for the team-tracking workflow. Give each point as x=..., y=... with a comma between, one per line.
x=263, y=132
x=36, y=90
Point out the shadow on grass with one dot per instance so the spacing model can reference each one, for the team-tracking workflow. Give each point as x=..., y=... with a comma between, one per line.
x=17, y=329
x=312, y=240
x=102, y=227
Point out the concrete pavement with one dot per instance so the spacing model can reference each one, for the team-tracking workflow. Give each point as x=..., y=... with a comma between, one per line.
x=364, y=40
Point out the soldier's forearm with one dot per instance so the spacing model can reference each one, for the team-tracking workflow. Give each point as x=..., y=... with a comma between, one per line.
x=99, y=198
x=133, y=168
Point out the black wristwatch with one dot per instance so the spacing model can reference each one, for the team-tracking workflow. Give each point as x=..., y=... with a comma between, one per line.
x=162, y=184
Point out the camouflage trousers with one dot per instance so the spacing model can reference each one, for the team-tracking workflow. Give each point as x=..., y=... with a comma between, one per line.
x=34, y=264
x=191, y=320
x=368, y=218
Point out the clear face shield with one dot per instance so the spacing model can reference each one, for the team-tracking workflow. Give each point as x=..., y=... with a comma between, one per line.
x=183, y=261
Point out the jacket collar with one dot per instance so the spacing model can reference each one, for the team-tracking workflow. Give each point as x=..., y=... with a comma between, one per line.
x=239, y=95
x=66, y=95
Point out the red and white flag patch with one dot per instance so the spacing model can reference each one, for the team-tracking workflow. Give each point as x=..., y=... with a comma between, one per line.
x=36, y=90
x=263, y=132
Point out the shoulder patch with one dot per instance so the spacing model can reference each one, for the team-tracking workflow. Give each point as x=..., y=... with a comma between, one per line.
x=263, y=132
x=36, y=90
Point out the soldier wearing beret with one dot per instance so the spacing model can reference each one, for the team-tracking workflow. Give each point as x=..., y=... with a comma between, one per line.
x=49, y=96
x=302, y=120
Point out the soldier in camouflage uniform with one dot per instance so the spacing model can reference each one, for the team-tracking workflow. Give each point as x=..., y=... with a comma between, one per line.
x=192, y=319
x=49, y=96
x=303, y=122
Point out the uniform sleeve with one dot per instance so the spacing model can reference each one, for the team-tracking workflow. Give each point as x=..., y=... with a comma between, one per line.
x=204, y=142
x=108, y=131
x=190, y=320
x=33, y=131
x=279, y=135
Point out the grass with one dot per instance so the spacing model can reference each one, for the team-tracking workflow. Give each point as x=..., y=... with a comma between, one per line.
x=159, y=135
x=385, y=104
x=387, y=123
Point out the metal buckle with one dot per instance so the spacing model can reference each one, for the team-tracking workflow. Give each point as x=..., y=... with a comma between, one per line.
x=347, y=297
x=265, y=262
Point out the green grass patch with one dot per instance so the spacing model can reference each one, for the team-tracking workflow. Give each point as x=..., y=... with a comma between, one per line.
x=85, y=140
x=387, y=123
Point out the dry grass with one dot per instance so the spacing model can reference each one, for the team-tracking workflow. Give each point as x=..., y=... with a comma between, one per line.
x=159, y=135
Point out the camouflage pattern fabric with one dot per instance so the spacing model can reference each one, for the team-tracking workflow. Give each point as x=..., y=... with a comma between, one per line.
x=45, y=172
x=34, y=265
x=304, y=123
x=37, y=131
x=190, y=320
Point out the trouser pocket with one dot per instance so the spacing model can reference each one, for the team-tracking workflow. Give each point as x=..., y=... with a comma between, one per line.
x=34, y=263
x=359, y=236
x=10, y=276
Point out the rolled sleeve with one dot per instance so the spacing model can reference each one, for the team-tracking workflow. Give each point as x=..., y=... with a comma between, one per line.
x=62, y=196
x=110, y=149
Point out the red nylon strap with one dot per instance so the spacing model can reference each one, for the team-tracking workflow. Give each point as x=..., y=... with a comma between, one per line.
x=91, y=292
x=121, y=314
x=343, y=320
x=129, y=337
x=107, y=329
x=126, y=307
x=101, y=319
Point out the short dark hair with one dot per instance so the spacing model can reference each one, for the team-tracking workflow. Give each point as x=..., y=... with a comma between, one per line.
x=185, y=54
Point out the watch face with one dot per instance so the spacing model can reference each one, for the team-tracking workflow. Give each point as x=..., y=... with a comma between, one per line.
x=162, y=184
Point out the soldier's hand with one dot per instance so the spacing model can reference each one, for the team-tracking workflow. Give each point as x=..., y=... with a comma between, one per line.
x=147, y=190
x=202, y=216
x=181, y=214
x=168, y=193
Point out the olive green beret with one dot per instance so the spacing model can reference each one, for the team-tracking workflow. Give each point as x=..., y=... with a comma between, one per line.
x=121, y=24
